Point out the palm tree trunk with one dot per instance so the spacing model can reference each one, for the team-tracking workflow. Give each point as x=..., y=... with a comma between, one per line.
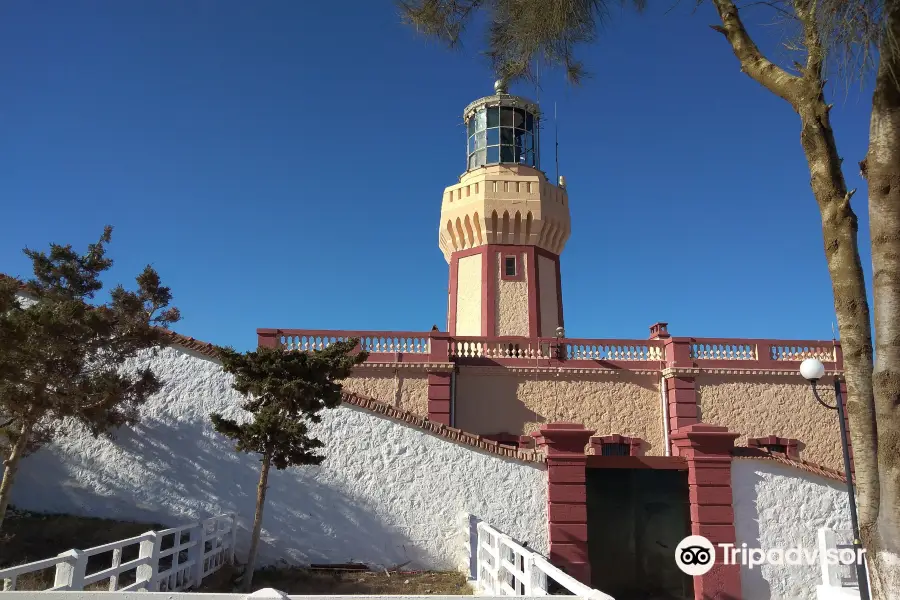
x=247, y=580
x=882, y=170
x=11, y=466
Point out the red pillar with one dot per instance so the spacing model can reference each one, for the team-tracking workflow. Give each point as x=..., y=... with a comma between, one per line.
x=267, y=338
x=707, y=449
x=681, y=390
x=564, y=445
x=439, y=392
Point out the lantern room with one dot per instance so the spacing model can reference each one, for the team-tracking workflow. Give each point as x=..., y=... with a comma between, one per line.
x=502, y=129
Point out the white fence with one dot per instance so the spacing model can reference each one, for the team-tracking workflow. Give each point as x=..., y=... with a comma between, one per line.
x=839, y=580
x=170, y=560
x=504, y=567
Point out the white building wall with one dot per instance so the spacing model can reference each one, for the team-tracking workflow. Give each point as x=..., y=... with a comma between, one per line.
x=387, y=493
x=776, y=506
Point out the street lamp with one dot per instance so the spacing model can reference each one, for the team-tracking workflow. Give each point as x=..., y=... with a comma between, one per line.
x=560, y=334
x=813, y=370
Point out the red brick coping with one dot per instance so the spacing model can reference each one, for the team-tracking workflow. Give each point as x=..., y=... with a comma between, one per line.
x=451, y=433
x=798, y=463
x=189, y=343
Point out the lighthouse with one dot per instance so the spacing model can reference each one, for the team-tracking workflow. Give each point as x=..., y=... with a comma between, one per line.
x=504, y=225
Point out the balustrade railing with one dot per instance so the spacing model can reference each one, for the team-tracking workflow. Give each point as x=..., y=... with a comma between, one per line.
x=375, y=342
x=497, y=348
x=762, y=351
x=582, y=353
x=800, y=351
x=545, y=348
x=613, y=350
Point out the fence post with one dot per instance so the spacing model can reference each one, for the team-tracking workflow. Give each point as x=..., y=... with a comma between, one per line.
x=195, y=553
x=233, y=538
x=469, y=529
x=150, y=551
x=70, y=572
x=495, y=559
x=827, y=540
x=528, y=579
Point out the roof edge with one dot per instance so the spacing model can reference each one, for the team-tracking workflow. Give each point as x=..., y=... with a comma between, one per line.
x=743, y=452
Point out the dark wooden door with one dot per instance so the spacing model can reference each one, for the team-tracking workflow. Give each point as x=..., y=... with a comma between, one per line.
x=636, y=517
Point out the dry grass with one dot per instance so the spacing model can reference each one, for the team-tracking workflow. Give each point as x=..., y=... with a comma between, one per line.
x=27, y=537
x=319, y=582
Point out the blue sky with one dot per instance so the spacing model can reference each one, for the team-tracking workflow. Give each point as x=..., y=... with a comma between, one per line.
x=281, y=164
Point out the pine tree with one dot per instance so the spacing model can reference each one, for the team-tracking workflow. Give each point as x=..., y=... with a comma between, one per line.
x=62, y=354
x=284, y=390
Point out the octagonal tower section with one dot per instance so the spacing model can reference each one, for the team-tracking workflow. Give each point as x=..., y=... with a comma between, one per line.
x=504, y=226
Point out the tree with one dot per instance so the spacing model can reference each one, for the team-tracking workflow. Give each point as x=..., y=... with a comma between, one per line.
x=284, y=389
x=853, y=34
x=62, y=357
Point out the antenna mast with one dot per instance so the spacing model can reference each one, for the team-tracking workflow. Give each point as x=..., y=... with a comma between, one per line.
x=556, y=123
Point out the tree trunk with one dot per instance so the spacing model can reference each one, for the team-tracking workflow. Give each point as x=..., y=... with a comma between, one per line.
x=247, y=580
x=11, y=467
x=839, y=231
x=882, y=170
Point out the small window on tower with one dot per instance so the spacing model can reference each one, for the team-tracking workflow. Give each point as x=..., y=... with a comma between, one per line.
x=510, y=268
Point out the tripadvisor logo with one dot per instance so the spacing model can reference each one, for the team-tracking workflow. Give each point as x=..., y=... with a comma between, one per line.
x=696, y=555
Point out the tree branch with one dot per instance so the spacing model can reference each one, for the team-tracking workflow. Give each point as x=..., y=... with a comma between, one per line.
x=753, y=63
x=812, y=40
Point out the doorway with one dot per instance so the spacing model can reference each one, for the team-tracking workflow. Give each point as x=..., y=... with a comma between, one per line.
x=636, y=518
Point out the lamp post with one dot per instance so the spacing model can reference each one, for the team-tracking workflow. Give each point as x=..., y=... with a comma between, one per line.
x=813, y=370
x=560, y=334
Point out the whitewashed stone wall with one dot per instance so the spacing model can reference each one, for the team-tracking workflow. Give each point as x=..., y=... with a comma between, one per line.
x=388, y=492
x=777, y=506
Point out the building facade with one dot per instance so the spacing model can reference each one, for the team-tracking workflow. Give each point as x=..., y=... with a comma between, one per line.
x=505, y=365
x=650, y=425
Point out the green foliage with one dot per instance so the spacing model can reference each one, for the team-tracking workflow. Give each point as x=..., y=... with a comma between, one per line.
x=520, y=32
x=284, y=390
x=62, y=355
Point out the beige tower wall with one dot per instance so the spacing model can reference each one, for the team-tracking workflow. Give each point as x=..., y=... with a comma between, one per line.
x=760, y=406
x=493, y=400
x=512, y=298
x=468, y=296
x=548, y=296
x=402, y=388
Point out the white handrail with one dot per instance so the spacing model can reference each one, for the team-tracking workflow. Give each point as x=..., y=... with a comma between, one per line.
x=182, y=573
x=506, y=568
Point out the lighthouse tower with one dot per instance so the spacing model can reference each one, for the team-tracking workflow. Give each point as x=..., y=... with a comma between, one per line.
x=503, y=226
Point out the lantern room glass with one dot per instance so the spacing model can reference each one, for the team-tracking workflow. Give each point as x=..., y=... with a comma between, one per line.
x=502, y=134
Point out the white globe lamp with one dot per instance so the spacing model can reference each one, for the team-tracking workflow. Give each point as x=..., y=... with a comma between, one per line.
x=812, y=369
